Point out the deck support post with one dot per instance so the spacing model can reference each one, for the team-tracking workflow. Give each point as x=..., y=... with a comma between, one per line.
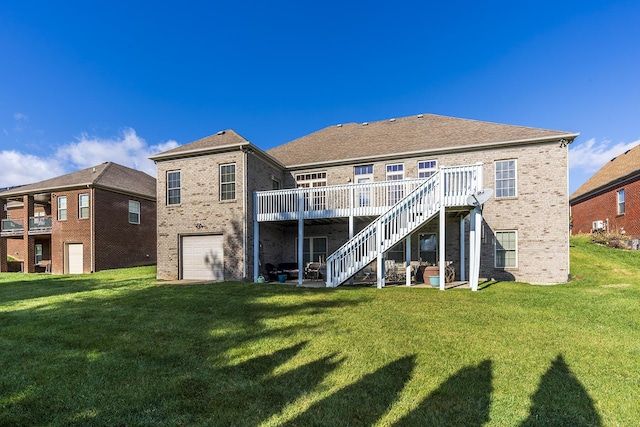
x=300, y=237
x=463, y=275
x=474, y=248
x=408, y=260
x=256, y=239
x=380, y=258
x=442, y=248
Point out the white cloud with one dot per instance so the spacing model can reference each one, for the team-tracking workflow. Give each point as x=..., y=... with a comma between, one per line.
x=20, y=116
x=591, y=156
x=19, y=168
x=127, y=149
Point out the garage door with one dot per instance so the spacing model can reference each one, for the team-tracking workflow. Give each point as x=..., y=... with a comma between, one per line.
x=202, y=258
x=74, y=258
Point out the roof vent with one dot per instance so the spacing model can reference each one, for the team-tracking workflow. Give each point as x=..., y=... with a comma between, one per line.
x=94, y=170
x=392, y=120
x=339, y=125
x=627, y=151
x=220, y=133
x=365, y=123
x=420, y=116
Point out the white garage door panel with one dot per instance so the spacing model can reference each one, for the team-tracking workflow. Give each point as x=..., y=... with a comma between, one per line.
x=202, y=258
x=74, y=253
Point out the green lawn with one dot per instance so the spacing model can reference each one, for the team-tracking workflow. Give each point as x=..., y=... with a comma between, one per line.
x=116, y=349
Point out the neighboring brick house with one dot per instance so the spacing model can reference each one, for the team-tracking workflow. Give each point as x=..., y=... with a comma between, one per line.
x=94, y=219
x=327, y=196
x=609, y=201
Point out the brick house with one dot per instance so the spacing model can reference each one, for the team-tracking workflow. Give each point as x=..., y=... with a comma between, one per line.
x=93, y=219
x=366, y=199
x=610, y=200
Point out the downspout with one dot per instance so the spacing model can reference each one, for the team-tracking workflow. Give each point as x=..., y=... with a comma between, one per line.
x=244, y=213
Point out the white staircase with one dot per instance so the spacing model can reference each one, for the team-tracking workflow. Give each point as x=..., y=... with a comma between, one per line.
x=448, y=187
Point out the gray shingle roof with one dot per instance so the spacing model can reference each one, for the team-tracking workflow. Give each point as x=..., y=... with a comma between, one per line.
x=625, y=165
x=106, y=175
x=414, y=134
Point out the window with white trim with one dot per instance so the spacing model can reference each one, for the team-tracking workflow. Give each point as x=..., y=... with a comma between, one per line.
x=427, y=168
x=395, y=173
x=506, y=178
x=362, y=175
x=134, y=212
x=621, y=197
x=83, y=206
x=316, y=199
x=173, y=187
x=228, y=182
x=506, y=249
x=62, y=208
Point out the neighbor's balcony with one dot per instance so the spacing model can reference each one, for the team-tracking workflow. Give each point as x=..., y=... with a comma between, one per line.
x=369, y=199
x=40, y=225
x=15, y=227
x=12, y=227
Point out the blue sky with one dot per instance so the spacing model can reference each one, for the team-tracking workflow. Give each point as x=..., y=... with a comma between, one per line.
x=84, y=83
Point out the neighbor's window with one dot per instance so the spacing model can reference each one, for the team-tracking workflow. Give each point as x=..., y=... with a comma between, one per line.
x=505, y=178
x=38, y=253
x=621, y=202
x=228, y=182
x=62, y=208
x=506, y=249
x=173, y=188
x=427, y=168
x=83, y=206
x=134, y=212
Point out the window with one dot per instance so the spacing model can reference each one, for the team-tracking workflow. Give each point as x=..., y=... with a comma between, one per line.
x=38, y=259
x=396, y=192
x=505, y=178
x=621, y=202
x=314, y=249
x=506, y=249
x=173, y=188
x=134, y=212
x=427, y=168
x=429, y=248
x=316, y=199
x=83, y=206
x=228, y=182
x=364, y=174
x=62, y=208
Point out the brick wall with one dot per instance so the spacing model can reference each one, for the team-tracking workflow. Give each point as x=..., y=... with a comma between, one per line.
x=539, y=213
x=604, y=207
x=118, y=243
x=71, y=230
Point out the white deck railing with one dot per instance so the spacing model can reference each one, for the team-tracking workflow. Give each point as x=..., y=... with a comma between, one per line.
x=369, y=199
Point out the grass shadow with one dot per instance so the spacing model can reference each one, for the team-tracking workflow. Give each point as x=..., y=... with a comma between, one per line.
x=362, y=403
x=462, y=400
x=561, y=400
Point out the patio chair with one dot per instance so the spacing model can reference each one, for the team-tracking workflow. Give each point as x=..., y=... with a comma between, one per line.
x=312, y=271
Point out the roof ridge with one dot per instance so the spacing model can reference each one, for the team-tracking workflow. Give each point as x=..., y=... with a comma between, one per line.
x=101, y=174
